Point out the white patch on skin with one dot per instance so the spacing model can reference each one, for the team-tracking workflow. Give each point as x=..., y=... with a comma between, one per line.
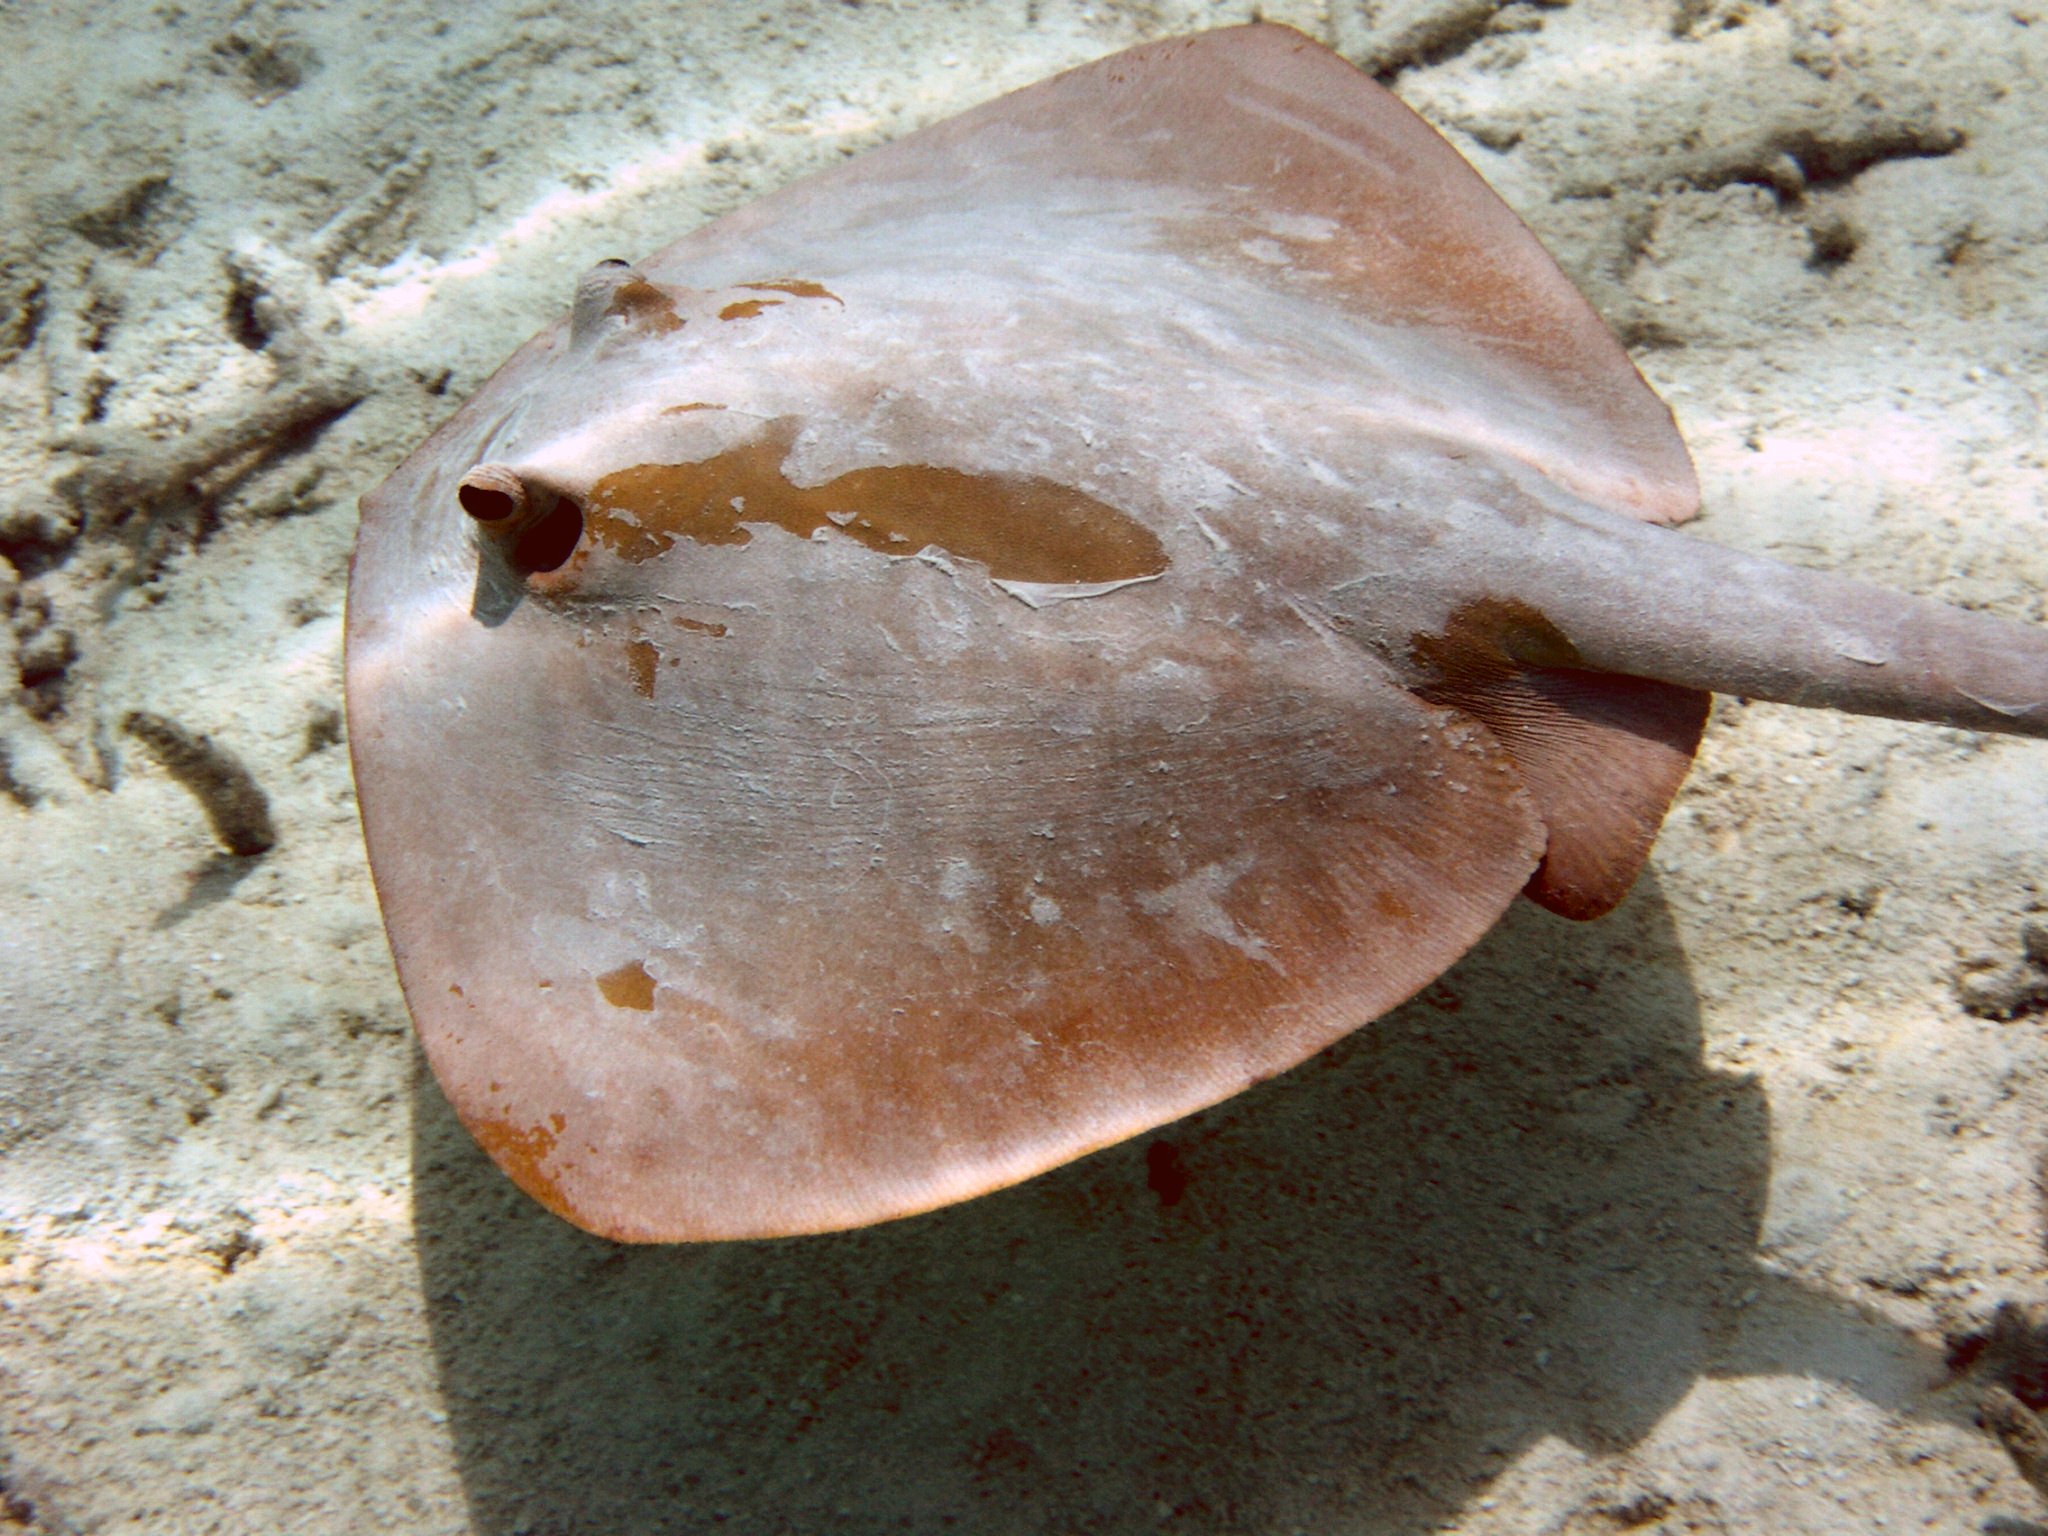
x=1169, y=693
x=1300, y=226
x=1216, y=540
x=960, y=882
x=1195, y=906
x=1269, y=252
x=1044, y=911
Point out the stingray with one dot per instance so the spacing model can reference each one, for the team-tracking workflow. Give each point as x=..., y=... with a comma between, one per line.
x=1016, y=638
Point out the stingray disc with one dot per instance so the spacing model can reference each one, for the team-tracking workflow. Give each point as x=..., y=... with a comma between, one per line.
x=855, y=717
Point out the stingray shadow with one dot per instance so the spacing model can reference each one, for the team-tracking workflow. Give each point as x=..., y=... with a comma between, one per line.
x=1346, y=1300
x=496, y=592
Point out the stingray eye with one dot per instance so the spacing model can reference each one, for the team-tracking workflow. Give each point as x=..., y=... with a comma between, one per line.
x=493, y=495
x=537, y=529
x=595, y=290
x=617, y=290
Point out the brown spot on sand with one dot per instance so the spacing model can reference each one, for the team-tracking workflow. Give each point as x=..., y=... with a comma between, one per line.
x=225, y=789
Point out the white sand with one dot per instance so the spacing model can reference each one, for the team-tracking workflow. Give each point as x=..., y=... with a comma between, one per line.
x=1658, y=1224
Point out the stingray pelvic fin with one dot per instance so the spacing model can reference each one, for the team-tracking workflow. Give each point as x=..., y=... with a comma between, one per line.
x=1601, y=756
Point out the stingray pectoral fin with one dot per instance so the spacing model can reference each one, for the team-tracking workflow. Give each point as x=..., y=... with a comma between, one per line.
x=1602, y=756
x=1249, y=175
x=747, y=958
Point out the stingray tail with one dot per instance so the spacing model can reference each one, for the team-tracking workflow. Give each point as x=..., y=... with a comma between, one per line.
x=1703, y=616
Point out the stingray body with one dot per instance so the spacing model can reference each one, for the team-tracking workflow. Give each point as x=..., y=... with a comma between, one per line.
x=1019, y=637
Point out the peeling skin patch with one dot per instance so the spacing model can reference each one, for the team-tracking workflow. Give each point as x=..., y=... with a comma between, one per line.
x=628, y=987
x=522, y=1153
x=1021, y=528
x=1042, y=594
x=643, y=658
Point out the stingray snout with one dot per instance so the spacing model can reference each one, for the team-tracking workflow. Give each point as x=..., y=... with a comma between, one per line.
x=536, y=528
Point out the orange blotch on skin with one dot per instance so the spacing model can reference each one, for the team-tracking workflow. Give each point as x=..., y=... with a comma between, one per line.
x=643, y=658
x=628, y=987
x=692, y=405
x=746, y=309
x=523, y=1152
x=1393, y=908
x=1020, y=527
x=642, y=304
x=1491, y=638
x=798, y=288
x=699, y=627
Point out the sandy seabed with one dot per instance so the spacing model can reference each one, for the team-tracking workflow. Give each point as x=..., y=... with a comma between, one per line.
x=1695, y=1219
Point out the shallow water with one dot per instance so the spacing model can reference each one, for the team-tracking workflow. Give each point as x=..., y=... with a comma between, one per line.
x=1666, y=1222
